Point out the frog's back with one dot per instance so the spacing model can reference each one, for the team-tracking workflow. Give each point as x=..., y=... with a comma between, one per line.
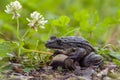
x=78, y=41
x=74, y=39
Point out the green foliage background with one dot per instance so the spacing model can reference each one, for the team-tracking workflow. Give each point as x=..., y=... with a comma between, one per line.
x=98, y=21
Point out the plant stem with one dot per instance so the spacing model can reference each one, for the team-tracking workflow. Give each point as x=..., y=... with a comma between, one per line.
x=28, y=50
x=71, y=31
x=18, y=36
x=25, y=33
x=4, y=36
x=36, y=44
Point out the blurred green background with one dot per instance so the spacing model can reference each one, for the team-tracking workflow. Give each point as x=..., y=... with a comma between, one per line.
x=95, y=20
x=98, y=21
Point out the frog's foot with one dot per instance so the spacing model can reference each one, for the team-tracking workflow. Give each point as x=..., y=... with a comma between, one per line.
x=78, y=71
x=69, y=64
x=77, y=68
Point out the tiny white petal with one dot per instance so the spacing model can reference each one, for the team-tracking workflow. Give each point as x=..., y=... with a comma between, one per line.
x=35, y=15
x=40, y=16
x=13, y=16
x=31, y=24
x=28, y=19
x=42, y=27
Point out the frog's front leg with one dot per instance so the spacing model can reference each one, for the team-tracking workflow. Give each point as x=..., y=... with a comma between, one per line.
x=77, y=68
x=78, y=54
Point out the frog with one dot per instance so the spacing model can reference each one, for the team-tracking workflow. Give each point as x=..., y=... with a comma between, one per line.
x=76, y=48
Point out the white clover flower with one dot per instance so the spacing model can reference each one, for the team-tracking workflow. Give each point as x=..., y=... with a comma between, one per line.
x=12, y=8
x=36, y=20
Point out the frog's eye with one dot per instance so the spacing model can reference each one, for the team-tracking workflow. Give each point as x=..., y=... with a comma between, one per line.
x=53, y=37
x=59, y=41
x=97, y=60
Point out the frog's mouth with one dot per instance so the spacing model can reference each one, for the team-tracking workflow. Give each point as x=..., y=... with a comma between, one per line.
x=52, y=46
x=55, y=47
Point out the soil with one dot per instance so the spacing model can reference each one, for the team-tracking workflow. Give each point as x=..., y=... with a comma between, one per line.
x=109, y=72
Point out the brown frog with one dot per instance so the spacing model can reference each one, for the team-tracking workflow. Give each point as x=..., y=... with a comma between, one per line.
x=76, y=48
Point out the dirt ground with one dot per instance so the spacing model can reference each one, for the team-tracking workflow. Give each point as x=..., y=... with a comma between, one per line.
x=109, y=72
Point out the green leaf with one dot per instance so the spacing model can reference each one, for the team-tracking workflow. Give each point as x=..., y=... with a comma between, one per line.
x=6, y=47
x=95, y=18
x=118, y=15
x=117, y=62
x=55, y=23
x=27, y=69
x=64, y=20
x=2, y=40
x=81, y=16
x=115, y=55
